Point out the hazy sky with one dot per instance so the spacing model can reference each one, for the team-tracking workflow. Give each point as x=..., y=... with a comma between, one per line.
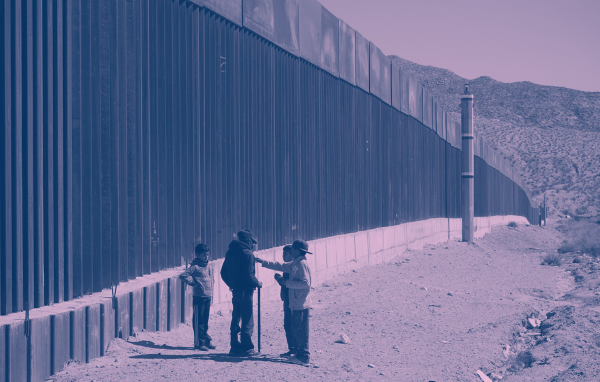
x=548, y=42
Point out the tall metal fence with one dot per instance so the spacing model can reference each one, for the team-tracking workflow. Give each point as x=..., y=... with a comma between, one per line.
x=136, y=128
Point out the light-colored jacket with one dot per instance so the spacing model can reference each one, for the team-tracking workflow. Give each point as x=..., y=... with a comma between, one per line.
x=201, y=278
x=298, y=283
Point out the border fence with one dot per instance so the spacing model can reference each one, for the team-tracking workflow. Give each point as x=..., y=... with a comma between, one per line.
x=135, y=128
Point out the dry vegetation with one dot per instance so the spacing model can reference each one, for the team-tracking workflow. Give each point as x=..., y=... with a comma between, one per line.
x=582, y=236
x=550, y=134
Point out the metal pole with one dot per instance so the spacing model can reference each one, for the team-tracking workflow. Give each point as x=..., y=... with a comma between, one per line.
x=259, y=319
x=468, y=167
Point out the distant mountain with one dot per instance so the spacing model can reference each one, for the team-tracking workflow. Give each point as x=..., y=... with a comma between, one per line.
x=550, y=134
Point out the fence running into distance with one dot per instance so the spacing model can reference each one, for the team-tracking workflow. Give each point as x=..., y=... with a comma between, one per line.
x=135, y=128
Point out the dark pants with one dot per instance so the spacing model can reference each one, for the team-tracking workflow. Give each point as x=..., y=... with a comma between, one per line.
x=200, y=321
x=288, y=326
x=301, y=329
x=242, y=310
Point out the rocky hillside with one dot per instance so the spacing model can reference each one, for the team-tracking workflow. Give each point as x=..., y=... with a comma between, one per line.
x=550, y=134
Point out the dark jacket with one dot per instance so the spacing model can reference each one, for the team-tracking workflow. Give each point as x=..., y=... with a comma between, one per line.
x=238, y=268
x=200, y=276
x=284, y=294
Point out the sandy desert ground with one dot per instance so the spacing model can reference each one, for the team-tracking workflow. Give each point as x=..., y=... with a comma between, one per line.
x=437, y=314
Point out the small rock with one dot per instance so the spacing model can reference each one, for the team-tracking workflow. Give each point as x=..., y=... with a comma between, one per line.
x=381, y=373
x=371, y=365
x=506, y=351
x=495, y=377
x=395, y=347
x=533, y=323
x=483, y=377
x=450, y=294
x=343, y=339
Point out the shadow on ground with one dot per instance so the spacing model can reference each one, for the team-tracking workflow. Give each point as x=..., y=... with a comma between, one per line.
x=150, y=344
x=217, y=357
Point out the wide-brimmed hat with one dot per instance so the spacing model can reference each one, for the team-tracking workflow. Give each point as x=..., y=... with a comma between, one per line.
x=245, y=235
x=301, y=245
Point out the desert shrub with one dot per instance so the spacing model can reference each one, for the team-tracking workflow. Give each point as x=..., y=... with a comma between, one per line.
x=512, y=224
x=551, y=259
x=581, y=236
x=566, y=248
x=593, y=251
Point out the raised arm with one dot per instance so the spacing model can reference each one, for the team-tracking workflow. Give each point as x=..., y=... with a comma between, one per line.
x=274, y=265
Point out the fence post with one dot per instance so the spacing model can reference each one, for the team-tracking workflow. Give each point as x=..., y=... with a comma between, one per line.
x=468, y=167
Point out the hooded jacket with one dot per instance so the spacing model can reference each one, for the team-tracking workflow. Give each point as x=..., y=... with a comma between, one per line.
x=200, y=276
x=238, y=267
x=299, y=282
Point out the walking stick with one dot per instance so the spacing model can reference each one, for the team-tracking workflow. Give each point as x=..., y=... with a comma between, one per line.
x=259, y=319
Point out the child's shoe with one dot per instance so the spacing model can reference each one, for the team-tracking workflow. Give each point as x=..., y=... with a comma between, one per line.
x=210, y=346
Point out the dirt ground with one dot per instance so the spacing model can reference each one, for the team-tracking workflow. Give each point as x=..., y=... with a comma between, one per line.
x=437, y=314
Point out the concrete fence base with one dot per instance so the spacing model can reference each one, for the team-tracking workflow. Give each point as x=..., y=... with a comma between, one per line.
x=81, y=329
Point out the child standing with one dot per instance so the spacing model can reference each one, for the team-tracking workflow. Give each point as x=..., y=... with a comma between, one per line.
x=287, y=312
x=298, y=286
x=200, y=276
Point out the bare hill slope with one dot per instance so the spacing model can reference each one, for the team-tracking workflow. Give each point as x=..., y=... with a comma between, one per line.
x=550, y=134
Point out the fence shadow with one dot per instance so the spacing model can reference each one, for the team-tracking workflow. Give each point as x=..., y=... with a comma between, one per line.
x=217, y=357
x=152, y=345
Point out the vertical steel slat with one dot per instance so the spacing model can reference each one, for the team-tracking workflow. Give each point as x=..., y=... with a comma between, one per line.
x=145, y=78
x=116, y=104
x=153, y=153
x=68, y=148
x=184, y=240
x=39, y=156
x=76, y=146
x=121, y=144
x=49, y=196
x=6, y=180
x=105, y=176
x=132, y=141
x=58, y=146
x=161, y=138
x=96, y=124
x=28, y=191
x=196, y=71
x=169, y=127
x=175, y=130
x=201, y=140
x=87, y=147
x=139, y=139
